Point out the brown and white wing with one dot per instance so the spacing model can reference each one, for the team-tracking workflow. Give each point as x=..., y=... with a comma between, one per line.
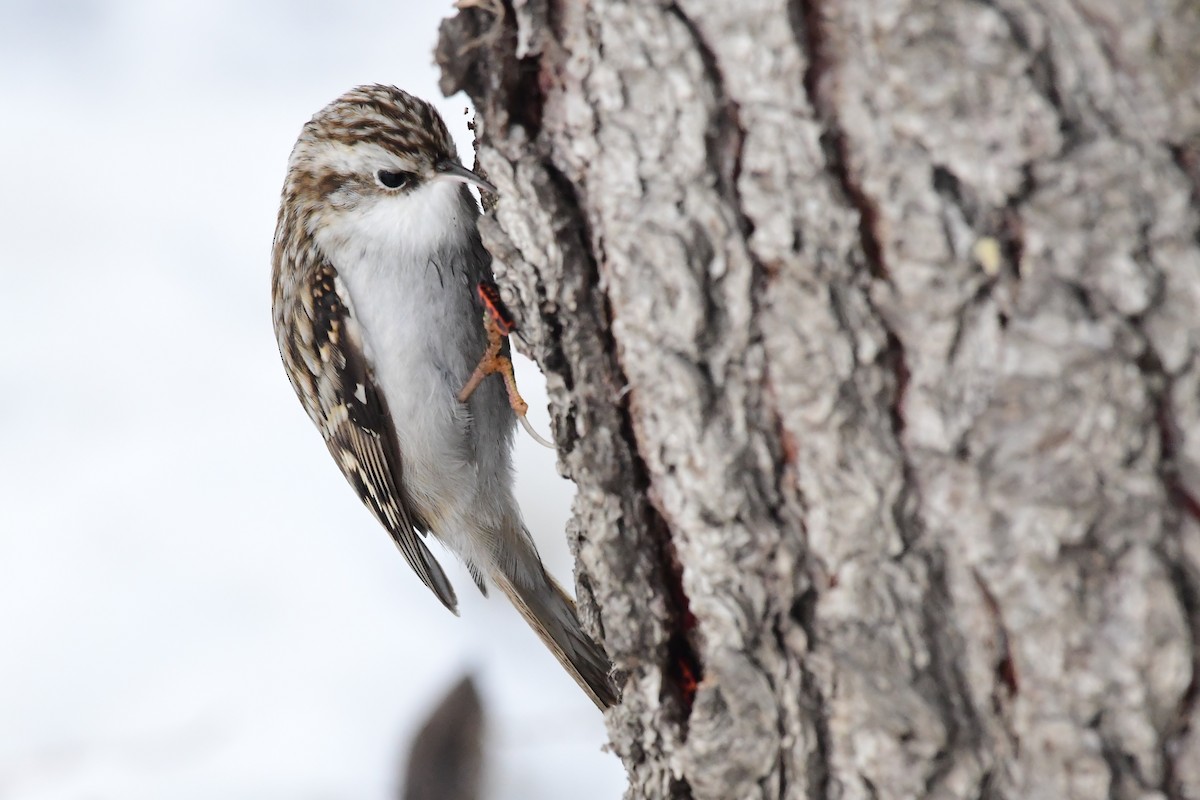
x=324, y=356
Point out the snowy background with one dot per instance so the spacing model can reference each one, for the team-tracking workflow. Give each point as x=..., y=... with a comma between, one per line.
x=193, y=603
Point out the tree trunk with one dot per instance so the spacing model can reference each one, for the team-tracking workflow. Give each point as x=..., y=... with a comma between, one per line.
x=870, y=333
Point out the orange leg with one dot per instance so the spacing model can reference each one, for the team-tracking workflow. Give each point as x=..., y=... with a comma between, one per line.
x=493, y=362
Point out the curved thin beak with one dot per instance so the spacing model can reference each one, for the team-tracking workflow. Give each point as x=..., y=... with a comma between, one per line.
x=449, y=170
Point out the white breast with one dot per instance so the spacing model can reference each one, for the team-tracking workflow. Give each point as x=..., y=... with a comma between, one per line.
x=410, y=299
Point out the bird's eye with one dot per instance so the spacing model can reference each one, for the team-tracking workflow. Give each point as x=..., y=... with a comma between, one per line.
x=395, y=180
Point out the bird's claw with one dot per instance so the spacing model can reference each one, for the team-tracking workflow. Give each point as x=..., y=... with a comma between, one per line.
x=498, y=324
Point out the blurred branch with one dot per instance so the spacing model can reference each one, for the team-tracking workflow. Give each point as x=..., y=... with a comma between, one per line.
x=447, y=754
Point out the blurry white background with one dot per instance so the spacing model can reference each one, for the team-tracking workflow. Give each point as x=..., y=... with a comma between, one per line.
x=193, y=603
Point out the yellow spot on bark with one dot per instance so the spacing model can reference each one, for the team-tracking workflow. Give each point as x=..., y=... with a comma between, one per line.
x=986, y=251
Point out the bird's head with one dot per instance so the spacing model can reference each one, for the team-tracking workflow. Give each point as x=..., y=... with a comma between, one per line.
x=379, y=155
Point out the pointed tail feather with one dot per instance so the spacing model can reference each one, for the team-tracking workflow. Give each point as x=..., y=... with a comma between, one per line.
x=551, y=614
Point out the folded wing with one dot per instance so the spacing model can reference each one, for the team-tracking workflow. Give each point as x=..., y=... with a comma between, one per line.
x=325, y=360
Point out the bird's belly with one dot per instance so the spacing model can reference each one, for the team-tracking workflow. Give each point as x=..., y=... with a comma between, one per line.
x=420, y=384
x=421, y=362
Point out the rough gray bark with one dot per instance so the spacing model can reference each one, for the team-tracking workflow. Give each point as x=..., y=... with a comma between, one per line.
x=870, y=331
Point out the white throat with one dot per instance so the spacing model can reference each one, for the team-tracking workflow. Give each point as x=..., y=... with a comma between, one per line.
x=395, y=228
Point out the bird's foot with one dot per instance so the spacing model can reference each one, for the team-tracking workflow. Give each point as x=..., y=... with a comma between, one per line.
x=498, y=323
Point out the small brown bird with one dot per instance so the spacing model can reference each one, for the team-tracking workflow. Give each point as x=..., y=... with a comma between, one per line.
x=377, y=260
